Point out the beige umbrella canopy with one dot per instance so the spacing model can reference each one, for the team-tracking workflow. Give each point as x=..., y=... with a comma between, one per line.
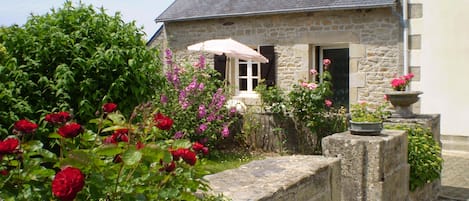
x=230, y=48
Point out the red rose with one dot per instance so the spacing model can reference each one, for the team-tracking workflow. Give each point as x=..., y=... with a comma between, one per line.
x=58, y=118
x=109, y=107
x=197, y=146
x=70, y=130
x=205, y=150
x=9, y=145
x=177, y=153
x=25, y=126
x=163, y=122
x=189, y=157
x=119, y=135
x=117, y=159
x=169, y=167
x=67, y=183
x=139, y=145
x=4, y=172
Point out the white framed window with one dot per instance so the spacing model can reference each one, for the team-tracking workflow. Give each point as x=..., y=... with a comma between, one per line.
x=248, y=76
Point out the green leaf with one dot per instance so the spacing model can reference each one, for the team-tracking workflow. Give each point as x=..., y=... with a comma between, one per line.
x=131, y=157
x=77, y=158
x=113, y=128
x=54, y=136
x=108, y=150
x=33, y=145
x=116, y=118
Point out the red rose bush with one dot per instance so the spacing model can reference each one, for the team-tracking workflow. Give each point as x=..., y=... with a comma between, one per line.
x=121, y=160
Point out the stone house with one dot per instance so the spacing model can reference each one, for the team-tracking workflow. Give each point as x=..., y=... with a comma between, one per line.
x=362, y=38
x=369, y=42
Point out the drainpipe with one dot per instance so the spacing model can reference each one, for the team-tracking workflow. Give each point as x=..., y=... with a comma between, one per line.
x=405, y=35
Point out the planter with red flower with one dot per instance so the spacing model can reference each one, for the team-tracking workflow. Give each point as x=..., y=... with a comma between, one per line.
x=401, y=99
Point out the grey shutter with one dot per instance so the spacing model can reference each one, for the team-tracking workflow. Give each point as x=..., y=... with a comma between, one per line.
x=268, y=70
x=220, y=65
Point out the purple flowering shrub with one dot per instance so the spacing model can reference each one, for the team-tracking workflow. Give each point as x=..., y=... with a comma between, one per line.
x=195, y=99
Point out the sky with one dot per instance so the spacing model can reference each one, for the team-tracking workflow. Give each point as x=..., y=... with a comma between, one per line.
x=143, y=12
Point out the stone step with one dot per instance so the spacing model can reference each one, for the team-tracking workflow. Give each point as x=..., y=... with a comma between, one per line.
x=455, y=143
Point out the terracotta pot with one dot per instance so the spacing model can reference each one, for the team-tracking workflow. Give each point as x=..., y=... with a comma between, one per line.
x=402, y=102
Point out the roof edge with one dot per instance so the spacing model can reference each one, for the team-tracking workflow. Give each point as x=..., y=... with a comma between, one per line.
x=283, y=11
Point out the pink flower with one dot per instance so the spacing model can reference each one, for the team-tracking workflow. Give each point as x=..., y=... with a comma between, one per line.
x=362, y=102
x=202, y=128
x=386, y=97
x=178, y=135
x=326, y=62
x=313, y=72
x=225, y=132
x=328, y=102
x=163, y=99
x=202, y=112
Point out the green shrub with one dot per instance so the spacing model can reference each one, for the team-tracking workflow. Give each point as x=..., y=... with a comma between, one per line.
x=424, y=155
x=74, y=58
x=272, y=98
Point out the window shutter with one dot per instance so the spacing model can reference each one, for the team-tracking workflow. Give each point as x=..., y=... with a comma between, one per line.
x=268, y=70
x=220, y=65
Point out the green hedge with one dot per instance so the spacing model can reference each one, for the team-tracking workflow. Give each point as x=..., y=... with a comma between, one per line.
x=424, y=155
x=74, y=58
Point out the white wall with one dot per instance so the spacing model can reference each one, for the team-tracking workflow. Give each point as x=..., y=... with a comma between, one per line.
x=445, y=64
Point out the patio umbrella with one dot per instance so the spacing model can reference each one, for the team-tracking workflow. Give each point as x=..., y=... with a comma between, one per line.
x=230, y=48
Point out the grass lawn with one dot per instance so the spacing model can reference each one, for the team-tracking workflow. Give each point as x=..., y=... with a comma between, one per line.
x=224, y=160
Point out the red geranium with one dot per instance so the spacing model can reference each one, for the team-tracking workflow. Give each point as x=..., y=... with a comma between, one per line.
x=109, y=107
x=70, y=130
x=25, y=126
x=58, y=118
x=67, y=183
x=163, y=122
x=9, y=145
x=119, y=135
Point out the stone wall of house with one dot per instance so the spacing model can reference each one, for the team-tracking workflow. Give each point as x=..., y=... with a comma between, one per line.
x=372, y=36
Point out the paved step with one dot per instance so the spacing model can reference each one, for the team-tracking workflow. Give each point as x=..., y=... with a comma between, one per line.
x=455, y=143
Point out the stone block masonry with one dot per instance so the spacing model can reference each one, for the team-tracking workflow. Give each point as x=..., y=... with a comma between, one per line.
x=297, y=177
x=372, y=167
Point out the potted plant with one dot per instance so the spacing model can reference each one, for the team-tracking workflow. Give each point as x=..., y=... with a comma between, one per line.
x=365, y=120
x=402, y=99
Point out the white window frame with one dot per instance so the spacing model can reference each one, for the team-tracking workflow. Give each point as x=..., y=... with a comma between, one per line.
x=250, y=90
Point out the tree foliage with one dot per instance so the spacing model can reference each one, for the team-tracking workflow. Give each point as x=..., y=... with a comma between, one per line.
x=73, y=58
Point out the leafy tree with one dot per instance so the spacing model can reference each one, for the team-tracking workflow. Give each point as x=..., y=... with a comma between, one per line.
x=74, y=58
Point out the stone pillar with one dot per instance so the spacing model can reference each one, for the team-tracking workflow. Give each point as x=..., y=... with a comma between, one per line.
x=372, y=167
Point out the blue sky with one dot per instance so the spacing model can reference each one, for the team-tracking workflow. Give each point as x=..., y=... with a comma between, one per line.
x=142, y=11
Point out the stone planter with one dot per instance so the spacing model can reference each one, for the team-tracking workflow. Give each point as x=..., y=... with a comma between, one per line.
x=366, y=128
x=402, y=102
